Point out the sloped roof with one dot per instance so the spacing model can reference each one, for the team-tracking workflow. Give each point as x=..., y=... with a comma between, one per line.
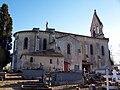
x=47, y=53
x=67, y=34
x=97, y=17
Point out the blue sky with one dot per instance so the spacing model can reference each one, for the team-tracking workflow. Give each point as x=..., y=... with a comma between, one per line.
x=73, y=16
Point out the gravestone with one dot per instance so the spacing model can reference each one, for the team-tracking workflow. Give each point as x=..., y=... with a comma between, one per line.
x=114, y=77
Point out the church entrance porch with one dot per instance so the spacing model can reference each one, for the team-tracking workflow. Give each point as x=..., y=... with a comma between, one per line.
x=86, y=65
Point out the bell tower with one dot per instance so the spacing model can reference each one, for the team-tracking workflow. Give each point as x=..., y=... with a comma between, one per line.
x=96, y=27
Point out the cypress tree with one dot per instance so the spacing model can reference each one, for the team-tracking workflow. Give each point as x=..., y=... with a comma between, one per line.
x=5, y=36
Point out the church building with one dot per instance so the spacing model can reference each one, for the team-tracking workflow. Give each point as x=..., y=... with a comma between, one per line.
x=53, y=50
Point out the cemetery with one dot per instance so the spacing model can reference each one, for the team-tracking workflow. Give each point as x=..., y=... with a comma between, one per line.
x=62, y=80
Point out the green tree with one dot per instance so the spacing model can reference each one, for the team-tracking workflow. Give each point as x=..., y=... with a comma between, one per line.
x=5, y=36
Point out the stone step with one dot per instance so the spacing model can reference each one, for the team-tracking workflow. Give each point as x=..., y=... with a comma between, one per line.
x=34, y=86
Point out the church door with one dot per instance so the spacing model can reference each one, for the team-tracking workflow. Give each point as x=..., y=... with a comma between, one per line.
x=65, y=66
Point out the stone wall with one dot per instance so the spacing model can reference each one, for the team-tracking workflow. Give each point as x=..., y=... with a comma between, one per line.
x=43, y=62
x=79, y=48
x=33, y=74
x=59, y=78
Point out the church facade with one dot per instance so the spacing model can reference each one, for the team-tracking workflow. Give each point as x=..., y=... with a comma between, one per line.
x=60, y=51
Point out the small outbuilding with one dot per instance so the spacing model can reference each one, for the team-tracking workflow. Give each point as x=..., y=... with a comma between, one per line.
x=48, y=60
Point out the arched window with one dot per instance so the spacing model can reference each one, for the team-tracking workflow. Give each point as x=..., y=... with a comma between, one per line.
x=31, y=59
x=44, y=44
x=93, y=33
x=97, y=30
x=26, y=43
x=68, y=48
x=57, y=61
x=102, y=50
x=91, y=49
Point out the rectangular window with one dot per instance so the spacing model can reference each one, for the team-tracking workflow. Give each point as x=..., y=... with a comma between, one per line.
x=51, y=61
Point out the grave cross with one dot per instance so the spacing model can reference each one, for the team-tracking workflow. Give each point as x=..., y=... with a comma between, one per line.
x=107, y=79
